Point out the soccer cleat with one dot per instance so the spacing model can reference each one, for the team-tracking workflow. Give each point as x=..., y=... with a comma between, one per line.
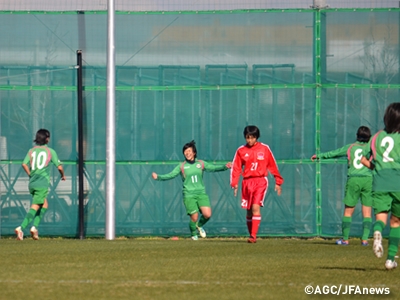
x=34, y=233
x=390, y=264
x=202, y=232
x=364, y=243
x=252, y=240
x=195, y=237
x=342, y=242
x=19, y=233
x=377, y=247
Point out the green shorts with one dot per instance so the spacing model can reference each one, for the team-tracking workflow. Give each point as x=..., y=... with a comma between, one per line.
x=38, y=195
x=358, y=188
x=194, y=202
x=386, y=202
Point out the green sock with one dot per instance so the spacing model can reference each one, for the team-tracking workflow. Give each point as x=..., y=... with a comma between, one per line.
x=394, y=237
x=202, y=221
x=379, y=226
x=366, y=228
x=192, y=227
x=28, y=218
x=346, y=223
x=39, y=215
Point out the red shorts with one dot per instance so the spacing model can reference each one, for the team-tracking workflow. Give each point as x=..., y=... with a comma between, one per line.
x=254, y=191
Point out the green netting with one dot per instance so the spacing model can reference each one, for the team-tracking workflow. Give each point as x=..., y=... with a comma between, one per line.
x=308, y=78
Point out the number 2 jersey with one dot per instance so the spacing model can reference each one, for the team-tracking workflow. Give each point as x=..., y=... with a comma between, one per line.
x=192, y=175
x=257, y=162
x=38, y=159
x=354, y=153
x=385, y=150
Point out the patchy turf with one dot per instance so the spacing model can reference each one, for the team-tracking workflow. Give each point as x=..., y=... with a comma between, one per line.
x=216, y=268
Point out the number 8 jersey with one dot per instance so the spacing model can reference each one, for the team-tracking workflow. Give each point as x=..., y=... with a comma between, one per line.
x=38, y=159
x=385, y=150
x=354, y=153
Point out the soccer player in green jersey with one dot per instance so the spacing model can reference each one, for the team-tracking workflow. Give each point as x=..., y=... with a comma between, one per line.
x=358, y=185
x=195, y=199
x=37, y=165
x=384, y=147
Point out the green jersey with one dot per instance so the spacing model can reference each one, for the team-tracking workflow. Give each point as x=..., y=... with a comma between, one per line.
x=38, y=159
x=192, y=175
x=353, y=152
x=385, y=150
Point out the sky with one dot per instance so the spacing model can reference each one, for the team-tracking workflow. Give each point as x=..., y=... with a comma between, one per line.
x=177, y=5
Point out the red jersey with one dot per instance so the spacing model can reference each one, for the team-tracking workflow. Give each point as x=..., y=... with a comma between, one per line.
x=257, y=161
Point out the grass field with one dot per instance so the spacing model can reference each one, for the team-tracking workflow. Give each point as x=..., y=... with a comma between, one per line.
x=215, y=268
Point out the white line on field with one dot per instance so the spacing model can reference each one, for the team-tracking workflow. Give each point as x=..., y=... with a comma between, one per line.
x=132, y=282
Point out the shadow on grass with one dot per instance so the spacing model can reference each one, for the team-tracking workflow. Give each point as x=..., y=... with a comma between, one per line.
x=344, y=268
x=353, y=269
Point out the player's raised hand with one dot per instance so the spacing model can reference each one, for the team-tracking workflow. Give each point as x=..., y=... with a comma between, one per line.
x=229, y=165
x=154, y=175
x=314, y=157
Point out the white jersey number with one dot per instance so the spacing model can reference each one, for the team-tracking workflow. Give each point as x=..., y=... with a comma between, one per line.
x=387, y=143
x=254, y=166
x=357, y=159
x=194, y=178
x=38, y=162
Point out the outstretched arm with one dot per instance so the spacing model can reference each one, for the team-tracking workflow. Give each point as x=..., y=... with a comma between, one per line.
x=175, y=172
x=210, y=167
x=331, y=154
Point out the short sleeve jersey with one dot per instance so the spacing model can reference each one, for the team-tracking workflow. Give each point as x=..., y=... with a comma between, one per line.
x=39, y=160
x=354, y=153
x=385, y=150
x=192, y=175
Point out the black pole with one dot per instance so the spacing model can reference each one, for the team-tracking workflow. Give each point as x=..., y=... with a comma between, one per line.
x=80, y=146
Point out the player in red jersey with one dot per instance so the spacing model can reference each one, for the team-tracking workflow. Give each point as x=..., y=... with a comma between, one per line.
x=257, y=159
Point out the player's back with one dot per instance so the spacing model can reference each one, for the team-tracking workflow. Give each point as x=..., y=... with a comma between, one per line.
x=39, y=164
x=354, y=155
x=386, y=152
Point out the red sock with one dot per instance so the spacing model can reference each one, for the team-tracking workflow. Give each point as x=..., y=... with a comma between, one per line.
x=256, y=220
x=249, y=223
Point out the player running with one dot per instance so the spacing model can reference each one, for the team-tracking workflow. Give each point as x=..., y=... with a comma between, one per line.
x=384, y=147
x=195, y=198
x=37, y=165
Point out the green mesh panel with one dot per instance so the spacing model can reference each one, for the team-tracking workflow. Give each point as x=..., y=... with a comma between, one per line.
x=308, y=78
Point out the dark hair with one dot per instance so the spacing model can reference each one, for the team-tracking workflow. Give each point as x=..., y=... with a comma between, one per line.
x=192, y=145
x=363, y=134
x=251, y=130
x=391, y=118
x=42, y=136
